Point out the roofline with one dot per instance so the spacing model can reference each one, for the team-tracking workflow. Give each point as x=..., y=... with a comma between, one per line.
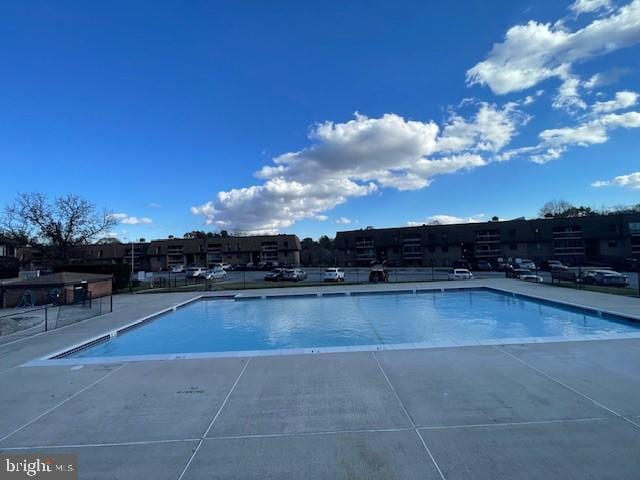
x=489, y=222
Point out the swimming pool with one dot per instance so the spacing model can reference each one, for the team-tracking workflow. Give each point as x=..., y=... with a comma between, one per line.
x=339, y=320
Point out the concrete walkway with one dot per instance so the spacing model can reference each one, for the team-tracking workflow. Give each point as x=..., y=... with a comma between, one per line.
x=556, y=410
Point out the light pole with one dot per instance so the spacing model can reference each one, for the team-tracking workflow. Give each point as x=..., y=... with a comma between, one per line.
x=132, y=259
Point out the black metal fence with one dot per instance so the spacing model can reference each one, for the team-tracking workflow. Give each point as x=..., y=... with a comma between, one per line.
x=165, y=281
x=20, y=322
x=241, y=280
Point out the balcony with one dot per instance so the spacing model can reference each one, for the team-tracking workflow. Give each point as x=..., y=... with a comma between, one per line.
x=365, y=253
x=364, y=243
x=488, y=237
x=488, y=252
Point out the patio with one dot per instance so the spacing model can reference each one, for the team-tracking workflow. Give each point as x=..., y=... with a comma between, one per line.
x=548, y=410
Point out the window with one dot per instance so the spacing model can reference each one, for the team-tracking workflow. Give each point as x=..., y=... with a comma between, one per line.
x=432, y=248
x=432, y=237
x=513, y=246
x=512, y=233
x=445, y=248
x=613, y=227
x=613, y=243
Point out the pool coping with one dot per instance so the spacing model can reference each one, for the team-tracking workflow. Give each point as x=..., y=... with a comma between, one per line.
x=60, y=357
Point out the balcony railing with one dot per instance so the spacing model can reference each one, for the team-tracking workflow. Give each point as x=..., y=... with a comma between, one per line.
x=364, y=244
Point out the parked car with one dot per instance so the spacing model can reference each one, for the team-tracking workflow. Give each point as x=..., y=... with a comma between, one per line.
x=526, y=264
x=609, y=278
x=216, y=273
x=196, y=272
x=484, y=265
x=333, y=274
x=294, y=275
x=530, y=277
x=460, y=274
x=177, y=269
x=275, y=275
x=518, y=272
x=550, y=265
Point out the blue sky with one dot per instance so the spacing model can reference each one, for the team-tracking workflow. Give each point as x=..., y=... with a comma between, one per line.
x=315, y=117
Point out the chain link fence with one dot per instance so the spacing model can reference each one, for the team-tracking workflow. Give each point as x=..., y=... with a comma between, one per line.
x=21, y=322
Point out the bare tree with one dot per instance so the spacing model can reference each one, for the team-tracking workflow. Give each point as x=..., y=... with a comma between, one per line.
x=55, y=226
x=554, y=208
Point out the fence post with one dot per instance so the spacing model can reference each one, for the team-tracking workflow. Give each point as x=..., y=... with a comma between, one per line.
x=46, y=319
x=111, y=303
x=638, y=273
x=579, y=279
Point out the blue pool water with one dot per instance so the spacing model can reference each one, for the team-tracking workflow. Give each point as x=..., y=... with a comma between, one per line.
x=338, y=321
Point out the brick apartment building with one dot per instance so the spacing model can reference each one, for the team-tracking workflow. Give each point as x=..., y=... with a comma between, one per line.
x=158, y=255
x=577, y=240
x=7, y=247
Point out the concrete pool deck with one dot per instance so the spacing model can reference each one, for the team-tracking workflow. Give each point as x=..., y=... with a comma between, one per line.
x=525, y=411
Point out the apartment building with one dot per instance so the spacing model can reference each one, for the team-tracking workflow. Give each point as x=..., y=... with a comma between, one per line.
x=158, y=255
x=572, y=240
x=7, y=247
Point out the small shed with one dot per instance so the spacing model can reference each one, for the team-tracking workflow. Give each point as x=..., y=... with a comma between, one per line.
x=63, y=288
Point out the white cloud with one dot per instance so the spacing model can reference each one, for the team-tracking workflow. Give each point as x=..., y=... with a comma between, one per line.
x=130, y=220
x=623, y=100
x=490, y=129
x=277, y=204
x=321, y=218
x=590, y=6
x=448, y=220
x=343, y=221
x=536, y=51
x=582, y=135
x=594, y=130
x=357, y=158
x=631, y=180
x=137, y=220
x=568, y=96
x=548, y=155
x=154, y=205
x=605, y=78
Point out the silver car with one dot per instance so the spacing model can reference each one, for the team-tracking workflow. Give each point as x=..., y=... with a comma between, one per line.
x=294, y=275
x=607, y=278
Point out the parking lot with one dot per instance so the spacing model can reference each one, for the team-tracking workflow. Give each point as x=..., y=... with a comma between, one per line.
x=251, y=279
